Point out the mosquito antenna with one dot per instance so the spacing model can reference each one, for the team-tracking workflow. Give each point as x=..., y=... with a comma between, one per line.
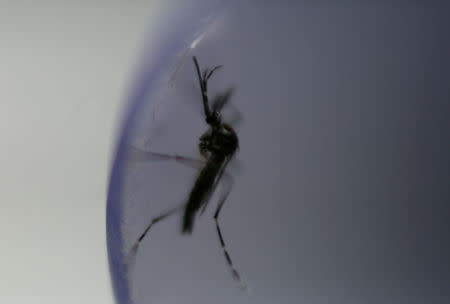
x=202, y=82
x=212, y=71
x=205, y=83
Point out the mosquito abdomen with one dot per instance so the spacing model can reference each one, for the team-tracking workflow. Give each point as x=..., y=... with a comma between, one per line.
x=201, y=191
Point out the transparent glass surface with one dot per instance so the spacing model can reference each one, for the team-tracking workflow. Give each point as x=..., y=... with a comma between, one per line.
x=337, y=163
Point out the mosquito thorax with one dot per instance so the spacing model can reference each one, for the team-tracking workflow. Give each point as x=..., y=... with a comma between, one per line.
x=214, y=119
x=227, y=139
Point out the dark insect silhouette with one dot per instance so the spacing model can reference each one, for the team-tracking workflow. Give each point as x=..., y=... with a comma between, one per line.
x=217, y=146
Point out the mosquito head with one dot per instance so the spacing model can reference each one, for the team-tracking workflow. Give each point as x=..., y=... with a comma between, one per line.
x=214, y=119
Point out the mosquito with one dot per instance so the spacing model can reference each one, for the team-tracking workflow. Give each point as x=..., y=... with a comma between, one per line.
x=217, y=146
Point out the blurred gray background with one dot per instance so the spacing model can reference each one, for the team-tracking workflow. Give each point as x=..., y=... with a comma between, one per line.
x=345, y=140
x=345, y=146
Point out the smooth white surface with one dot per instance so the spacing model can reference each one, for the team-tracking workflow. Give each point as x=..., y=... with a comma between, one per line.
x=64, y=70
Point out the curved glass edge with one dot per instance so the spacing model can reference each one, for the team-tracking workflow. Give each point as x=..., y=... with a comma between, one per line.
x=184, y=27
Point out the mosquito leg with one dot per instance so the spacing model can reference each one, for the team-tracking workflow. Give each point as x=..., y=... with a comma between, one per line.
x=136, y=154
x=156, y=220
x=234, y=272
x=134, y=249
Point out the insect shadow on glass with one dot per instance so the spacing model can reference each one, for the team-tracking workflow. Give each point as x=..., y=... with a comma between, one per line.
x=217, y=146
